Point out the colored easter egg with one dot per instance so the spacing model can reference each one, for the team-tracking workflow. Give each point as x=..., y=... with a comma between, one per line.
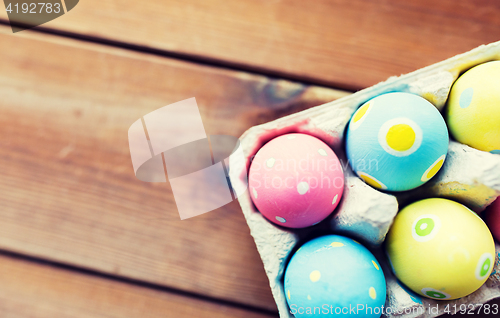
x=331, y=275
x=473, y=110
x=296, y=180
x=440, y=249
x=396, y=141
x=492, y=217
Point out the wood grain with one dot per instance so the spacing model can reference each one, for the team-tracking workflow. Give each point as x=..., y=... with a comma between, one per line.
x=344, y=43
x=67, y=189
x=40, y=291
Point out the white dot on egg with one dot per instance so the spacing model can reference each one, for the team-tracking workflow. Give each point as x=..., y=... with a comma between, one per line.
x=423, y=226
x=270, y=162
x=335, y=198
x=302, y=187
x=280, y=219
x=254, y=192
x=322, y=152
x=314, y=276
x=308, y=297
x=291, y=137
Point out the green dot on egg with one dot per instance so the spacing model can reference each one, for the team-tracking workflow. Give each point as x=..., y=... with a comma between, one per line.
x=435, y=294
x=485, y=267
x=424, y=226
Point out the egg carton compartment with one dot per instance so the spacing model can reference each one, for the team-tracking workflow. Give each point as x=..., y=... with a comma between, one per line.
x=469, y=176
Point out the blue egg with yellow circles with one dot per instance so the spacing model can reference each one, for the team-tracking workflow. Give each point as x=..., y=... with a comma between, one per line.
x=334, y=275
x=397, y=141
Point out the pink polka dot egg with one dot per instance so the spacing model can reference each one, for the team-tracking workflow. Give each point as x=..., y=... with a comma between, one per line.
x=296, y=180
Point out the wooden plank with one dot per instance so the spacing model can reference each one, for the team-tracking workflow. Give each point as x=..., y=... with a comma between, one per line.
x=67, y=189
x=344, y=43
x=41, y=291
x=35, y=290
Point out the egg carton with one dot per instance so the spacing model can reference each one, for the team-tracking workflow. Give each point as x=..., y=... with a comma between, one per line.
x=469, y=176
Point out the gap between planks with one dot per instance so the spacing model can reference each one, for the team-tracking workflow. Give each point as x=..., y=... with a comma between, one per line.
x=195, y=59
x=39, y=288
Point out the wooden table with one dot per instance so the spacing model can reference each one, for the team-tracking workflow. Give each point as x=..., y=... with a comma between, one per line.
x=80, y=236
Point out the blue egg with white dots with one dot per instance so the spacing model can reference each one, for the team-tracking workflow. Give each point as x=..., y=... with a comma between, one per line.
x=334, y=275
x=397, y=141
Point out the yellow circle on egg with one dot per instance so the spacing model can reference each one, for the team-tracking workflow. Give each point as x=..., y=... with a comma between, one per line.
x=372, y=181
x=440, y=249
x=473, y=108
x=400, y=137
x=314, y=276
x=360, y=115
x=361, y=112
x=372, y=292
x=433, y=169
x=337, y=244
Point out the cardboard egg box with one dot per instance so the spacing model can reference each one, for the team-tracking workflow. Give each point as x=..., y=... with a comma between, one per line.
x=469, y=176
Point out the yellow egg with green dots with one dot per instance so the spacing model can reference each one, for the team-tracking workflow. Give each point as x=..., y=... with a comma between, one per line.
x=440, y=249
x=473, y=110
